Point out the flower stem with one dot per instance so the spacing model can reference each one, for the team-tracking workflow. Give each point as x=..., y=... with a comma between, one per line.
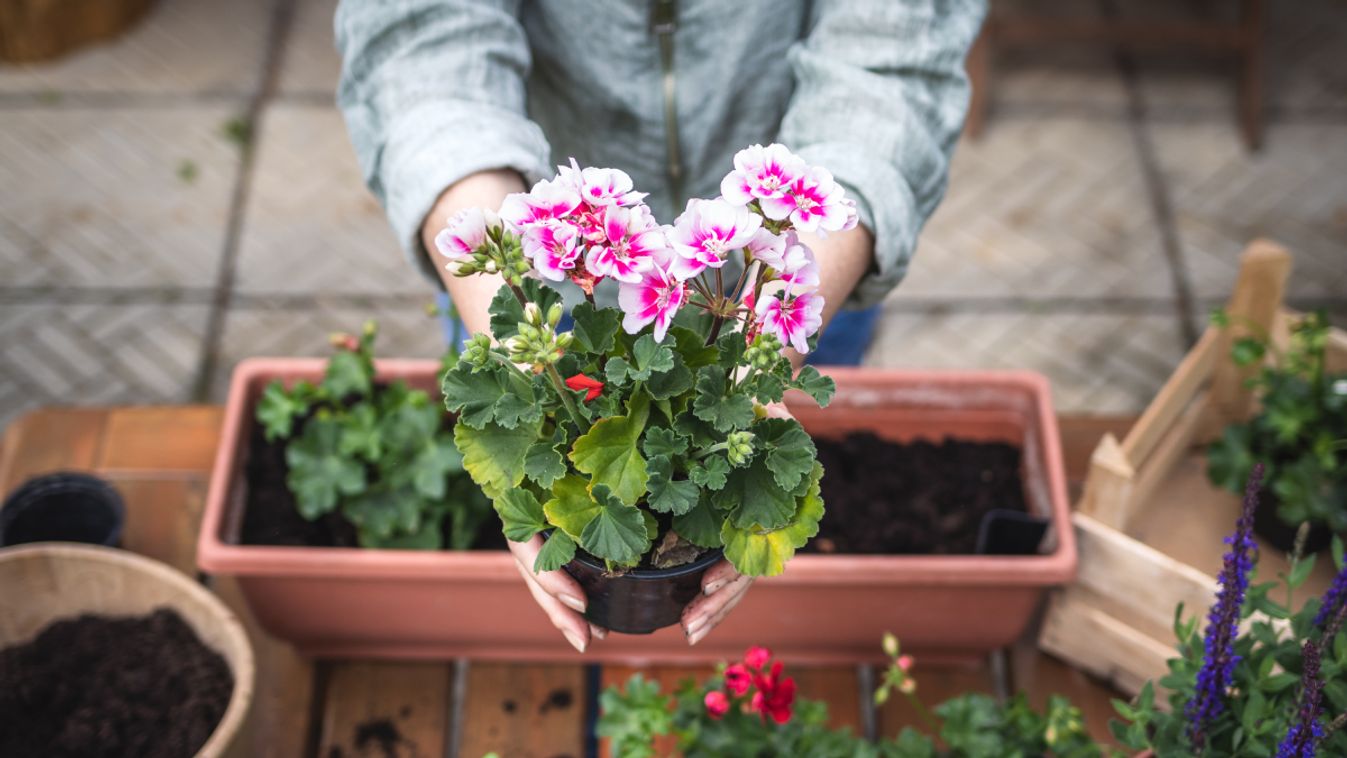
x=921, y=711
x=566, y=399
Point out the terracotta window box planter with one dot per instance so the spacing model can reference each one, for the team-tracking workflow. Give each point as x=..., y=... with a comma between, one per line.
x=336, y=602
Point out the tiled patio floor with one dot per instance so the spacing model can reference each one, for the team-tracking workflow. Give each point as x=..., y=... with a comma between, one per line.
x=144, y=251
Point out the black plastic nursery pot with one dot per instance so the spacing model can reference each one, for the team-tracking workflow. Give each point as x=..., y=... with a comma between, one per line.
x=639, y=601
x=1280, y=535
x=63, y=507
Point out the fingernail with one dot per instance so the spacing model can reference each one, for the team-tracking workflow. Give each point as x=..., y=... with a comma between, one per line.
x=711, y=588
x=697, y=636
x=599, y=632
x=574, y=639
x=694, y=627
x=572, y=602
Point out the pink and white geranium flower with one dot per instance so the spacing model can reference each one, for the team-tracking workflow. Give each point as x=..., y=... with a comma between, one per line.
x=551, y=245
x=813, y=202
x=600, y=187
x=655, y=298
x=630, y=240
x=761, y=173
x=547, y=201
x=465, y=233
x=768, y=248
x=798, y=266
x=707, y=232
x=793, y=316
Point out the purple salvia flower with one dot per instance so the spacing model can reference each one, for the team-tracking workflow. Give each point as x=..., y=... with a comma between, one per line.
x=1218, y=662
x=1333, y=599
x=1306, y=732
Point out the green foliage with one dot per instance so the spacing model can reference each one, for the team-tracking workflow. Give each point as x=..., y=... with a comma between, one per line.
x=1262, y=702
x=677, y=429
x=968, y=726
x=1300, y=430
x=379, y=456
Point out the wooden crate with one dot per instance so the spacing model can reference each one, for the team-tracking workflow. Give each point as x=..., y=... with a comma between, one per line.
x=1149, y=526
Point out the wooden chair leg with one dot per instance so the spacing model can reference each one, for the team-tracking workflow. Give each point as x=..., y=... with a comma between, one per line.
x=979, y=76
x=1253, y=23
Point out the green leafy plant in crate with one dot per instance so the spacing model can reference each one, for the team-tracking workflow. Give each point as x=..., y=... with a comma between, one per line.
x=380, y=455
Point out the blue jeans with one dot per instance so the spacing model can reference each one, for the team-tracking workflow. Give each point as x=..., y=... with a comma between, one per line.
x=843, y=344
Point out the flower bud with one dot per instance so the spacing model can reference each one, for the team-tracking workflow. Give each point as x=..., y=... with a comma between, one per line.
x=533, y=314
x=890, y=645
x=554, y=315
x=490, y=266
x=739, y=447
x=908, y=686
x=565, y=339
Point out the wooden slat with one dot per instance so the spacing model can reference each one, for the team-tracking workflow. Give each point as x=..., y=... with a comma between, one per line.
x=835, y=685
x=161, y=439
x=524, y=710
x=935, y=685
x=278, y=722
x=1108, y=648
x=386, y=710
x=50, y=439
x=162, y=518
x=1263, y=270
x=1192, y=373
x=1081, y=434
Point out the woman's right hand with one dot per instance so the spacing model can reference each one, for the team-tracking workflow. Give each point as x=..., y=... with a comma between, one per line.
x=558, y=594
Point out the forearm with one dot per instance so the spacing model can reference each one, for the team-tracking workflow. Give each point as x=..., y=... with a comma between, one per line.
x=471, y=295
x=844, y=258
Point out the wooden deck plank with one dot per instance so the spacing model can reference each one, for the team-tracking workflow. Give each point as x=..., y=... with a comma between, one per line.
x=838, y=686
x=523, y=711
x=161, y=439
x=162, y=518
x=379, y=709
x=50, y=439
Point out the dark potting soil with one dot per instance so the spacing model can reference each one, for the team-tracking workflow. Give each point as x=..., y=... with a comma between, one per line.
x=885, y=497
x=271, y=518
x=105, y=687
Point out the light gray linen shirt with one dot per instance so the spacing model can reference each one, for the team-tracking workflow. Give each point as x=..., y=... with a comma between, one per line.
x=872, y=90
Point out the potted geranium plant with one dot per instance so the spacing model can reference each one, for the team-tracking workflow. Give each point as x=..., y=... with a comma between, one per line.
x=637, y=440
x=1264, y=678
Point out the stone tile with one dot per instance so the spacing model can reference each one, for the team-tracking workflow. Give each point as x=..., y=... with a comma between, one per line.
x=182, y=46
x=103, y=197
x=311, y=227
x=1042, y=207
x=303, y=330
x=310, y=64
x=1293, y=191
x=1097, y=362
x=82, y=354
x=1053, y=78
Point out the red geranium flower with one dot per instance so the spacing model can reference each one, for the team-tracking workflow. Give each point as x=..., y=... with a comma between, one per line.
x=737, y=679
x=757, y=657
x=717, y=704
x=593, y=387
x=775, y=695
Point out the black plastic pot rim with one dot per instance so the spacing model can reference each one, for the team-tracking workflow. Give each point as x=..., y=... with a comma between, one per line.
x=650, y=575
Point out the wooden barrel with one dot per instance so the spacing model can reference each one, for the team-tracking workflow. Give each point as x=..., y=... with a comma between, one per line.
x=39, y=30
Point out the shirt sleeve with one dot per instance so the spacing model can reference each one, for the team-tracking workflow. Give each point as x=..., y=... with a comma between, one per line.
x=879, y=101
x=433, y=91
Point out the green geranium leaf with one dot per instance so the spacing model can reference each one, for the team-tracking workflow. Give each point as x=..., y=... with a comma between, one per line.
x=766, y=387
x=348, y=373
x=427, y=537
x=710, y=472
x=384, y=511
x=661, y=441
x=701, y=525
x=666, y=494
x=670, y=383
x=594, y=328
x=608, y=452
x=481, y=397
x=557, y=551
x=730, y=349
x=764, y=552
x=520, y=514
x=278, y=409
x=407, y=425
x=433, y=465
x=617, y=532
x=754, y=498
x=506, y=312
x=571, y=507
x=790, y=451
x=692, y=347
x=543, y=463
x=648, y=357
x=725, y=414
x=360, y=433
x=319, y=474
x=815, y=385
x=494, y=455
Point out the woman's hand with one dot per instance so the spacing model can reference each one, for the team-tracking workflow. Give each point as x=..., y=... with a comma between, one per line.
x=559, y=595
x=722, y=589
